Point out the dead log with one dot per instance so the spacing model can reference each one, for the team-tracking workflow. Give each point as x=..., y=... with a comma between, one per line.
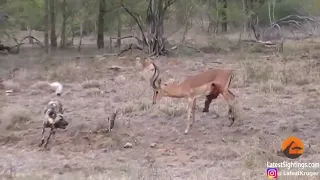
x=130, y=47
x=278, y=46
x=17, y=46
x=31, y=37
x=3, y=48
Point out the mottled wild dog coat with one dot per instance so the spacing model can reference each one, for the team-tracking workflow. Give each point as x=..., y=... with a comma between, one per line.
x=53, y=115
x=210, y=83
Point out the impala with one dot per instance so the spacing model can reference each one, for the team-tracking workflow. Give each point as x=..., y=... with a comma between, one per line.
x=210, y=83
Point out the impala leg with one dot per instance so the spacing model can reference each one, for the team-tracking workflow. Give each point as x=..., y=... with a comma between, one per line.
x=229, y=97
x=188, y=122
x=193, y=111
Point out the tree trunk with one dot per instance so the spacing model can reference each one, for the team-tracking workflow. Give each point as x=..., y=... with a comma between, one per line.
x=63, y=27
x=53, y=37
x=224, y=23
x=46, y=29
x=100, y=39
x=155, y=40
x=81, y=36
x=119, y=31
x=211, y=21
x=248, y=8
x=30, y=34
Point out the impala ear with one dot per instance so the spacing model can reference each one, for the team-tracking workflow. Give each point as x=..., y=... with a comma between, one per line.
x=159, y=82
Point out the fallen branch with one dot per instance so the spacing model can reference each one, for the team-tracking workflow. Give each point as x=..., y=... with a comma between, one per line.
x=106, y=55
x=306, y=18
x=120, y=38
x=130, y=47
x=37, y=40
x=19, y=43
x=268, y=44
x=191, y=47
x=259, y=41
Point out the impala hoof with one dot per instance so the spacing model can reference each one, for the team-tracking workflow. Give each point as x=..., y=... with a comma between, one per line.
x=205, y=110
x=232, y=121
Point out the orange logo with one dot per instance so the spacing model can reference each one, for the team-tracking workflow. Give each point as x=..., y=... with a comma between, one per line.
x=292, y=147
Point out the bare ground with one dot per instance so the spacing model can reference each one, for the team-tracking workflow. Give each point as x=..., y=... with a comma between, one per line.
x=277, y=97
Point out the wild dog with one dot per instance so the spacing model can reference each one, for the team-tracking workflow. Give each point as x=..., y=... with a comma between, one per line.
x=53, y=115
x=210, y=83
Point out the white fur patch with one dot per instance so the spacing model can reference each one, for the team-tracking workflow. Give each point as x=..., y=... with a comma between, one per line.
x=50, y=120
x=58, y=87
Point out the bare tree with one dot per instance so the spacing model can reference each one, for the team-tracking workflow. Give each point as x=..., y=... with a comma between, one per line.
x=53, y=37
x=153, y=43
x=100, y=39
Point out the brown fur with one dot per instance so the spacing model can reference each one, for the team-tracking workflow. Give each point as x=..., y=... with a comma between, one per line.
x=210, y=83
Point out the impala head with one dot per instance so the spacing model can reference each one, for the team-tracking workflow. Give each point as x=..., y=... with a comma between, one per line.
x=155, y=82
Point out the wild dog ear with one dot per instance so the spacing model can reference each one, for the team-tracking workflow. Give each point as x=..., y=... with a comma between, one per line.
x=52, y=114
x=60, y=116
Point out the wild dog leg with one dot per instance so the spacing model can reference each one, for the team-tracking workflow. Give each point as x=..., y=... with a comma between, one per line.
x=42, y=139
x=51, y=133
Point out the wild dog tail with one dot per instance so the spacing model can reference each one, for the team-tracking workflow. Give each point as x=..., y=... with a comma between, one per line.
x=58, y=86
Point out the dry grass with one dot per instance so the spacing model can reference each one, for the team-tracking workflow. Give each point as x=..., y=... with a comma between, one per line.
x=15, y=117
x=11, y=85
x=276, y=98
x=91, y=84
